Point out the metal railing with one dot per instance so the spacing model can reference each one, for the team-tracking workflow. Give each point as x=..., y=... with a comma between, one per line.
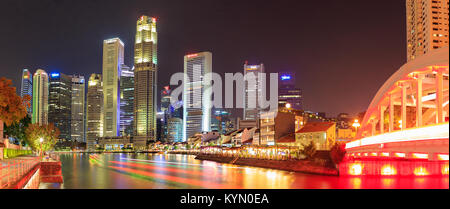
x=13, y=170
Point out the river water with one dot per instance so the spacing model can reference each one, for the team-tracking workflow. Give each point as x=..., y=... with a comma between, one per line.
x=170, y=171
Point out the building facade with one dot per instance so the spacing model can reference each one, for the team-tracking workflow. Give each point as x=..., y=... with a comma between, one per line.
x=126, y=101
x=94, y=110
x=26, y=88
x=78, y=121
x=427, y=26
x=196, y=94
x=288, y=93
x=252, y=91
x=113, y=55
x=321, y=134
x=40, y=97
x=145, y=81
x=175, y=130
x=60, y=103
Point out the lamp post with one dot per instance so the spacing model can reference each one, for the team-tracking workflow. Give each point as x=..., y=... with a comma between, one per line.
x=356, y=125
x=40, y=142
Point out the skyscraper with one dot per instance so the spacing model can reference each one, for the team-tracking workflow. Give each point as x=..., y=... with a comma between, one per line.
x=427, y=26
x=145, y=81
x=175, y=130
x=196, y=95
x=94, y=110
x=113, y=53
x=40, y=97
x=252, y=91
x=126, y=101
x=78, y=132
x=288, y=93
x=26, y=88
x=60, y=103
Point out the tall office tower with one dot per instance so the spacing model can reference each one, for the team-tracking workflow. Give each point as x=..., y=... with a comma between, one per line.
x=166, y=111
x=27, y=89
x=287, y=93
x=196, y=95
x=40, y=97
x=78, y=132
x=252, y=91
x=175, y=130
x=145, y=81
x=60, y=103
x=126, y=101
x=113, y=53
x=427, y=26
x=94, y=110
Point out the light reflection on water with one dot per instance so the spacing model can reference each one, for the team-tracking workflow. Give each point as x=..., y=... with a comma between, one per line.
x=158, y=171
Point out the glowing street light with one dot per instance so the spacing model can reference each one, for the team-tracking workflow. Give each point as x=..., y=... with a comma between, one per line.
x=288, y=105
x=356, y=124
x=41, y=140
x=400, y=124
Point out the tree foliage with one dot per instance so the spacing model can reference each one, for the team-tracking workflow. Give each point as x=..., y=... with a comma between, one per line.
x=17, y=129
x=337, y=153
x=309, y=150
x=49, y=133
x=12, y=106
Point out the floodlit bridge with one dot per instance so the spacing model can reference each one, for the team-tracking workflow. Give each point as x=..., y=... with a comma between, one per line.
x=405, y=130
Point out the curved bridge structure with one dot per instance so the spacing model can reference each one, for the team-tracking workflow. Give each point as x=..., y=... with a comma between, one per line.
x=405, y=130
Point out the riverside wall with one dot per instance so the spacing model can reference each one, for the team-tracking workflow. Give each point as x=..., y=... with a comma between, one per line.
x=303, y=166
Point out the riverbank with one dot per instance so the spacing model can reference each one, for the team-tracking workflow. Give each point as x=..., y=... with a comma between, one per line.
x=302, y=166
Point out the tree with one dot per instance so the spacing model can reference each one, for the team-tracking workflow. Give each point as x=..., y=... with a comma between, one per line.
x=337, y=153
x=12, y=106
x=309, y=150
x=48, y=133
x=17, y=129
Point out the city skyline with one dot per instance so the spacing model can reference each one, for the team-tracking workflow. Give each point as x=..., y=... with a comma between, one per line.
x=300, y=57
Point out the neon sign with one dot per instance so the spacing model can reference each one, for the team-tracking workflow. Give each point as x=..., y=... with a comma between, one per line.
x=285, y=77
x=55, y=75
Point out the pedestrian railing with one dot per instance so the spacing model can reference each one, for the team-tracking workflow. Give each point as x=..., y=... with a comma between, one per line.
x=13, y=170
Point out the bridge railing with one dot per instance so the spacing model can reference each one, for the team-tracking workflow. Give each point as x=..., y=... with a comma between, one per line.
x=13, y=170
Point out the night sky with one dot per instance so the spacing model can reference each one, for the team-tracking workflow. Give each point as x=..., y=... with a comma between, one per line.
x=341, y=51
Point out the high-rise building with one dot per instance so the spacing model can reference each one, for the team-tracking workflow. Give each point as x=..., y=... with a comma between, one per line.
x=145, y=81
x=196, y=95
x=94, y=110
x=78, y=132
x=126, y=101
x=252, y=91
x=175, y=130
x=40, y=97
x=166, y=112
x=113, y=55
x=26, y=88
x=287, y=93
x=60, y=103
x=427, y=26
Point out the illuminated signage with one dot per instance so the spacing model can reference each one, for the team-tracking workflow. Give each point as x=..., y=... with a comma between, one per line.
x=54, y=75
x=285, y=77
x=153, y=19
x=192, y=55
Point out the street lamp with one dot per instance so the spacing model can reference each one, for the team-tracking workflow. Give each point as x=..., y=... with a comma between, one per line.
x=41, y=140
x=288, y=105
x=356, y=125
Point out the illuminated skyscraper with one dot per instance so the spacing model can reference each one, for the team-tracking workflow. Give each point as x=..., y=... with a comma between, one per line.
x=60, y=103
x=145, y=81
x=27, y=88
x=427, y=26
x=94, y=110
x=113, y=53
x=78, y=132
x=288, y=93
x=40, y=97
x=126, y=101
x=252, y=91
x=196, y=102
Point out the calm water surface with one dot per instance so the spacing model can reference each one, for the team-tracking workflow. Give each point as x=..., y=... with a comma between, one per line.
x=170, y=171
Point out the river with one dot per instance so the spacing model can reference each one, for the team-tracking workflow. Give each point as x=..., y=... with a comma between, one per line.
x=176, y=171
